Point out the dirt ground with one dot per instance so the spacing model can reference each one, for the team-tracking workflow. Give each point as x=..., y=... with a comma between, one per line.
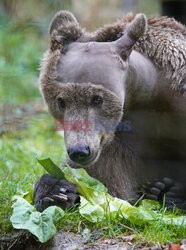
x=23, y=240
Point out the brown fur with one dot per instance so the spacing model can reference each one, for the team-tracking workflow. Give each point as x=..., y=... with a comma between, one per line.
x=69, y=31
x=163, y=43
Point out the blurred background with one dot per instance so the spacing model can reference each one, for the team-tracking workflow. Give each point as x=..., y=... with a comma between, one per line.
x=26, y=130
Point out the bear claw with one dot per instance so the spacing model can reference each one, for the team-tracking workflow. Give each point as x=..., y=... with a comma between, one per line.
x=47, y=200
x=159, y=185
x=60, y=197
x=50, y=190
x=63, y=190
x=174, y=192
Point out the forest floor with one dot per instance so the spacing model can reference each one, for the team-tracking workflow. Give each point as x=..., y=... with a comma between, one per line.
x=27, y=133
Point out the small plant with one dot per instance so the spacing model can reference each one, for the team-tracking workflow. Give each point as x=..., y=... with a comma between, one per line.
x=96, y=205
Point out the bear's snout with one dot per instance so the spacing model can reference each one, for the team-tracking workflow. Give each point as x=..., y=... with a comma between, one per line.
x=79, y=153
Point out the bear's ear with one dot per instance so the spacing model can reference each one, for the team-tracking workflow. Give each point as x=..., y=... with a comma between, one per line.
x=133, y=32
x=63, y=29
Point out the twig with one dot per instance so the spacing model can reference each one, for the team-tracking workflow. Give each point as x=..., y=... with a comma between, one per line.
x=79, y=225
x=13, y=243
x=129, y=228
x=139, y=199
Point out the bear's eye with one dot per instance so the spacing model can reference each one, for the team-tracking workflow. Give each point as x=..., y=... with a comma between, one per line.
x=61, y=103
x=97, y=100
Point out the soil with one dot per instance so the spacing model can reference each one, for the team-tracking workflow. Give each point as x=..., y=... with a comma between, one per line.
x=23, y=240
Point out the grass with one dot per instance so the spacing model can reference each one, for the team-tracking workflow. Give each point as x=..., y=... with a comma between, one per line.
x=19, y=171
x=155, y=234
x=18, y=156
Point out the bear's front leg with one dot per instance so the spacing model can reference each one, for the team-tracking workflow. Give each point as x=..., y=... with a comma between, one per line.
x=50, y=191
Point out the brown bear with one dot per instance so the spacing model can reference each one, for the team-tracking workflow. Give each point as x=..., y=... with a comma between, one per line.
x=120, y=93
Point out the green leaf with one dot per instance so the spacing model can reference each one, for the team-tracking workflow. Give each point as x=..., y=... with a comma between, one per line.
x=86, y=234
x=175, y=220
x=96, y=204
x=82, y=178
x=88, y=187
x=52, y=168
x=91, y=212
x=150, y=204
x=29, y=196
x=41, y=225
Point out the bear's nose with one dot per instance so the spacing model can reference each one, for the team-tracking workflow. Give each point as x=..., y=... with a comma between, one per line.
x=79, y=153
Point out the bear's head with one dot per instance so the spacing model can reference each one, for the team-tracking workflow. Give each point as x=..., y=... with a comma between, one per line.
x=83, y=84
